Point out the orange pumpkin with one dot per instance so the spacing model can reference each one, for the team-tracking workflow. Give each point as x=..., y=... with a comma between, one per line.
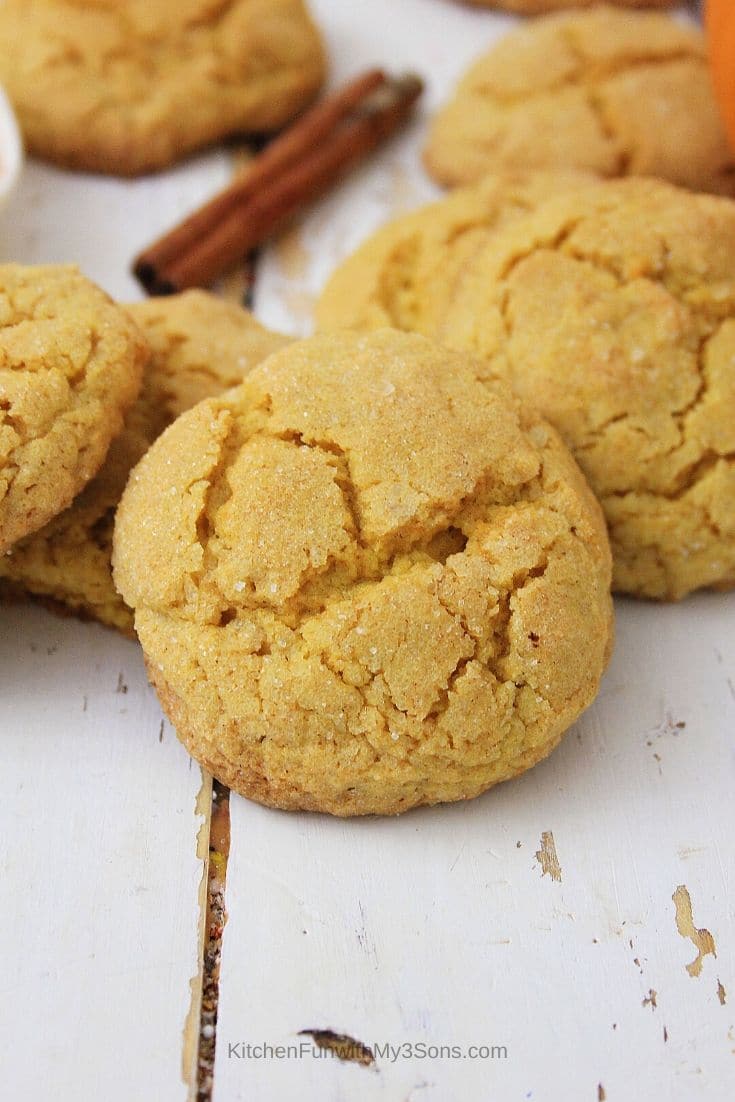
x=720, y=21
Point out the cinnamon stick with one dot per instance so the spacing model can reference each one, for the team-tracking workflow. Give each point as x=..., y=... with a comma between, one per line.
x=295, y=169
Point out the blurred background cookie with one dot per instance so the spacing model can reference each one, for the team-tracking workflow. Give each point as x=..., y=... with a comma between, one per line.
x=613, y=92
x=612, y=310
x=200, y=346
x=364, y=580
x=128, y=86
x=70, y=367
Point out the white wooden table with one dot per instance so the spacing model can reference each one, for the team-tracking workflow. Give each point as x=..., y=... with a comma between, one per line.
x=577, y=922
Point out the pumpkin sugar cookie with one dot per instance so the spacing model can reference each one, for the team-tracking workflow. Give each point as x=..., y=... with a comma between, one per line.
x=70, y=366
x=364, y=580
x=402, y=275
x=200, y=345
x=612, y=92
x=613, y=312
x=130, y=86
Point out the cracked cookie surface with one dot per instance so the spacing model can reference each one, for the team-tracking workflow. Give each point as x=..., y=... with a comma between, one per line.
x=364, y=580
x=199, y=346
x=70, y=366
x=613, y=92
x=129, y=86
x=613, y=312
x=403, y=274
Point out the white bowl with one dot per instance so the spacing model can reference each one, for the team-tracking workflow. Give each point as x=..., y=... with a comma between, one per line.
x=11, y=149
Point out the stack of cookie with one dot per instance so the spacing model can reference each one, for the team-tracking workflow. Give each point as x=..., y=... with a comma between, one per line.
x=611, y=308
x=365, y=578
x=606, y=304
x=373, y=569
x=85, y=388
x=609, y=304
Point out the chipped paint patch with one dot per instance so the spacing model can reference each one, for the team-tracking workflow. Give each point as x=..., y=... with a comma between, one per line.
x=216, y=918
x=341, y=1045
x=690, y=851
x=601, y=1096
x=668, y=726
x=650, y=999
x=701, y=939
x=721, y=993
x=547, y=857
x=203, y=810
